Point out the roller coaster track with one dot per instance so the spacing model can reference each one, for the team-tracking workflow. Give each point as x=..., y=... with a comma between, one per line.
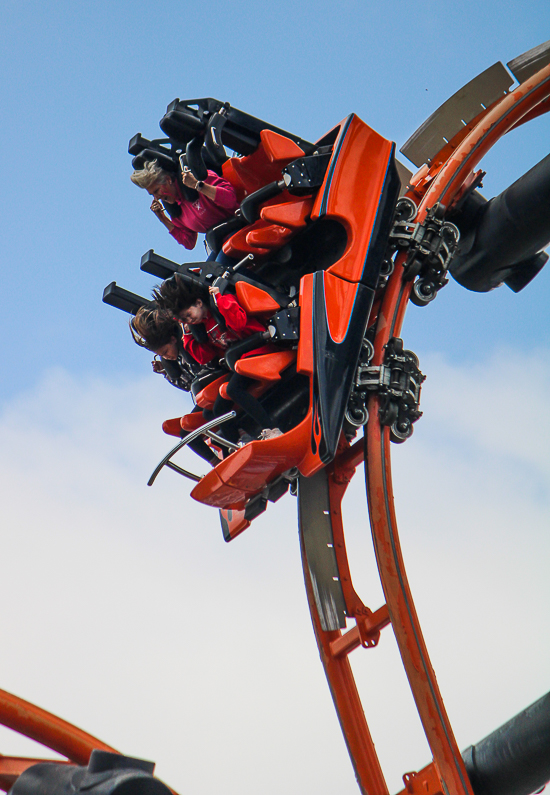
x=329, y=589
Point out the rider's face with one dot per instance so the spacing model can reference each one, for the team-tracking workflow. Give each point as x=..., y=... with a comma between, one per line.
x=192, y=314
x=169, y=351
x=167, y=191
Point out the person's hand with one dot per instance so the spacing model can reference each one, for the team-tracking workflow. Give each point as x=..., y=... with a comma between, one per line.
x=157, y=366
x=188, y=179
x=157, y=207
x=213, y=290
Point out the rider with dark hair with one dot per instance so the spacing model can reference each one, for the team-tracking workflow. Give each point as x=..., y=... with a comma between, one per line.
x=189, y=306
x=158, y=332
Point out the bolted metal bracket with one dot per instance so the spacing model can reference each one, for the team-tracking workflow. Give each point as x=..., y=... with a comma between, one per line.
x=398, y=382
x=431, y=246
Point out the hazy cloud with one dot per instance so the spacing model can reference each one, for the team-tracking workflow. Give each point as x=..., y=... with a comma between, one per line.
x=127, y=614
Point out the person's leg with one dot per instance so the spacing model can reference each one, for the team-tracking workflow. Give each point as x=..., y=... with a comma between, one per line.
x=237, y=389
x=223, y=259
x=200, y=447
x=230, y=429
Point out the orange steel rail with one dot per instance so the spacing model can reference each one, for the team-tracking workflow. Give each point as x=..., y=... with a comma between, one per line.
x=446, y=775
x=45, y=728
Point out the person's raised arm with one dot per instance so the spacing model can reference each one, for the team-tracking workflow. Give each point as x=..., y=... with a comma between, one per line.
x=158, y=210
x=223, y=194
x=233, y=313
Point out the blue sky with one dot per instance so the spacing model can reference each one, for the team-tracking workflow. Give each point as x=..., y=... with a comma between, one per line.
x=196, y=632
x=80, y=79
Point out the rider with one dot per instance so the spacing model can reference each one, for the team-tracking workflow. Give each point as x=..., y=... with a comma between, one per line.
x=158, y=332
x=216, y=200
x=189, y=306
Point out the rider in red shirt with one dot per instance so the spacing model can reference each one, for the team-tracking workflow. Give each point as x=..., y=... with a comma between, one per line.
x=189, y=308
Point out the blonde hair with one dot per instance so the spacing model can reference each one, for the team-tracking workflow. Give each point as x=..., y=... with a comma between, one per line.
x=151, y=174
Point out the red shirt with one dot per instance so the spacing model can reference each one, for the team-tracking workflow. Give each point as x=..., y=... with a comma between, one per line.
x=203, y=213
x=239, y=326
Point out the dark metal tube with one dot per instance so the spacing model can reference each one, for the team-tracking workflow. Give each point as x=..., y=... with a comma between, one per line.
x=514, y=759
x=505, y=235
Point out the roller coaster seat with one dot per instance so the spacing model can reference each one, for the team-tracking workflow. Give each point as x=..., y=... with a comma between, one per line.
x=279, y=221
x=206, y=397
x=270, y=237
x=189, y=422
x=204, y=378
x=292, y=215
x=173, y=427
x=237, y=245
x=267, y=368
x=256, y=301
x=248, y=174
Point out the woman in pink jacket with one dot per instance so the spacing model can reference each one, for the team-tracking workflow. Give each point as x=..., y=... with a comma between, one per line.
x=216, y=201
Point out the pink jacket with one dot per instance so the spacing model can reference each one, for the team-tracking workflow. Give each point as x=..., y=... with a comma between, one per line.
x=200, y=215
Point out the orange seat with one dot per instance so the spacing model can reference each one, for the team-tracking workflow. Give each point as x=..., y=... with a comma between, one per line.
x=190, y=422
x=266, y=368
x=293, y=215
x=254, y=300
x=269, y=237
x=206, y=397
x=264, y=165
x=236, y=246
x=255, y=390
x=173, y=427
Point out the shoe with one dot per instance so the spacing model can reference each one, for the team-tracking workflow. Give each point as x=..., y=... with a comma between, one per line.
x=270, y=433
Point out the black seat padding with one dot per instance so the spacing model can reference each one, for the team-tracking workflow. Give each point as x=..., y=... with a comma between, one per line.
x=217, y=235
x=125, y=300
x=238, y=349
x=213, y=138
x=182, y=125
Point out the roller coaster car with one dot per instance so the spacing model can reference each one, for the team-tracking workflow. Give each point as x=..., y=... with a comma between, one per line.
x=319, y=230
x=313, y=231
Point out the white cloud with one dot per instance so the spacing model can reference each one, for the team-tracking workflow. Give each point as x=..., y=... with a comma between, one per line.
x=126, y=613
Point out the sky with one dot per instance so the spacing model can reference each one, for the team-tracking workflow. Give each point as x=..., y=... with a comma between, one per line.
x=124, y=611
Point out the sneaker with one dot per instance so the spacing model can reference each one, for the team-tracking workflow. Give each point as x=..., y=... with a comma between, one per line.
x=270, y=433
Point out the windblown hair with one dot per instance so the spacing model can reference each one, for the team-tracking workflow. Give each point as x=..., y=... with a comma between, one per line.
x=174, y=295
x=151, y=174
x=153, y=328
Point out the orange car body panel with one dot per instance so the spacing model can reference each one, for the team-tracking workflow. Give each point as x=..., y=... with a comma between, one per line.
x=233, y=523
x=351, y=191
